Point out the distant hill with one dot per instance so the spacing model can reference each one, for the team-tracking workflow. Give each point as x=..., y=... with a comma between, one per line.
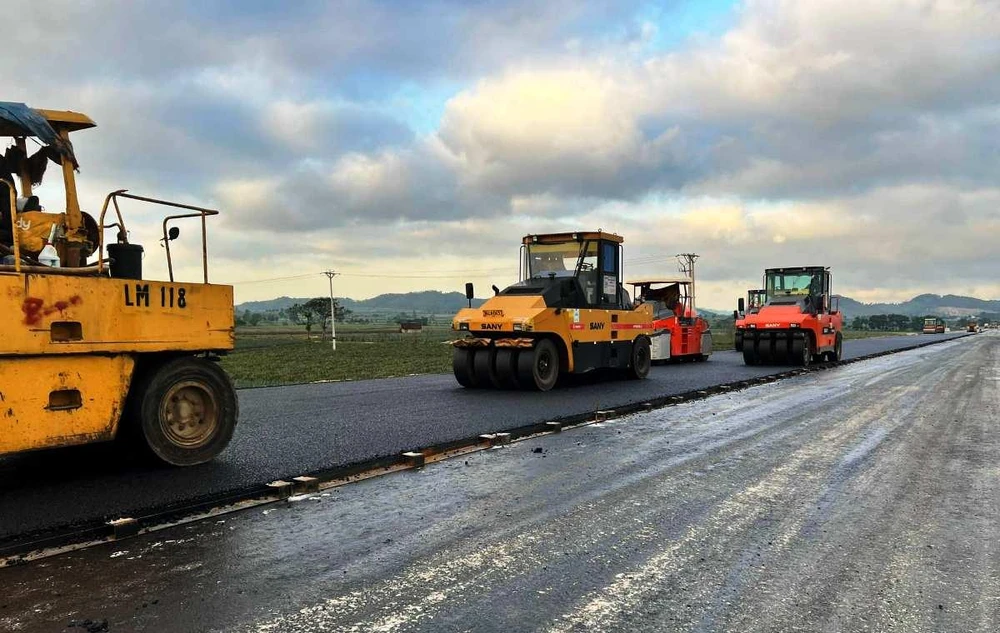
x=921, y=305
x=435, y=302
x=423, y=302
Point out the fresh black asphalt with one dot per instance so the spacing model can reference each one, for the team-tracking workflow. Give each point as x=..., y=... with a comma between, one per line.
x=295, y=430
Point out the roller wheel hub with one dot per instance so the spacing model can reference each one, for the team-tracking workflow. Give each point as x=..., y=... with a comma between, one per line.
x=189, y=414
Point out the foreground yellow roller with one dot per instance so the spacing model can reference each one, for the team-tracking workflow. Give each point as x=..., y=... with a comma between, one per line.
x=91, y=352
x=569, y=314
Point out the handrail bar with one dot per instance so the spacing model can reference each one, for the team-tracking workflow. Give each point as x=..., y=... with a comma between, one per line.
x=202, y=212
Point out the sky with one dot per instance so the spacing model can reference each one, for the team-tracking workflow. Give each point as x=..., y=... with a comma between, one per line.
x=410, y=145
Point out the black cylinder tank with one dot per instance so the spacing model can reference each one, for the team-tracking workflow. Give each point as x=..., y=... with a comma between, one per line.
x=126, y=260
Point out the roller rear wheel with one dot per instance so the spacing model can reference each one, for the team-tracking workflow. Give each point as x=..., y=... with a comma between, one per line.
x=641, y=359
x=183, y=412
x=538, y=368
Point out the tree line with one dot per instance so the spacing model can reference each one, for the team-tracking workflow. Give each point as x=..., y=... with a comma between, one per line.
x=313, y=311
x=893, y=322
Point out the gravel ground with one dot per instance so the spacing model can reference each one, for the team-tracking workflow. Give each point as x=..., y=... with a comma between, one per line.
x=289, y=431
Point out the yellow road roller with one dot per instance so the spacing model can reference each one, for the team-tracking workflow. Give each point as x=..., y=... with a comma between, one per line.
x=568, y=314
x=95, y=351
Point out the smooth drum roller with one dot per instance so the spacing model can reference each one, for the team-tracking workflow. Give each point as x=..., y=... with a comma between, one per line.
x=538, y=368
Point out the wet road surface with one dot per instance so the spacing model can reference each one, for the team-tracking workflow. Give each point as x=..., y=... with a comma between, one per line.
x=296, y=430
x=865, y=498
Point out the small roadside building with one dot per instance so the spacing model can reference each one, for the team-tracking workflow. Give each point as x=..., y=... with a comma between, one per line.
x=410, y=327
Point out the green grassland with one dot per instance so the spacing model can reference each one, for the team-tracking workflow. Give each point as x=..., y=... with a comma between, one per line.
x=266, y=356
x=277, y=356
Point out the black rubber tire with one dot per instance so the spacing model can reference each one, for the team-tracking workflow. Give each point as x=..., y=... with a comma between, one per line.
x=461, y=365
x=484, y=366
x=200, y=389
x=801, y=353
x=789, y=355
x=765, y=350
x=738, y=341
x=641, y=360
x=538, y=368
x=749, y=353
x=838, y=351
x=506, y=368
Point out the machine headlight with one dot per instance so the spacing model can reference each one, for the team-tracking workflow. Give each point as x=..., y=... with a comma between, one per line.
x=463, y=325
x=752, y=326
x=793, y=325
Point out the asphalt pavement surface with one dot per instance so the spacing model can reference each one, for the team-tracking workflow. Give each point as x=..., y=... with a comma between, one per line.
x=865, y=498
x=296, y=430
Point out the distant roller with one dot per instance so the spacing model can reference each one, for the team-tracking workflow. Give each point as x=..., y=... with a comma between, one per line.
x=798, y=323
x=569, y=314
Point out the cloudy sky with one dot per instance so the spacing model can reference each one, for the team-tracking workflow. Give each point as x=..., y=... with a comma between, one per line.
x=410, y=145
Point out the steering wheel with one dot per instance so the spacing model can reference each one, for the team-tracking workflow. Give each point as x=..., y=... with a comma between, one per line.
x=586, y=266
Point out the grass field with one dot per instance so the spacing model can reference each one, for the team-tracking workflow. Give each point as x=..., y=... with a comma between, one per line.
x=277, y=356
x=266, y=356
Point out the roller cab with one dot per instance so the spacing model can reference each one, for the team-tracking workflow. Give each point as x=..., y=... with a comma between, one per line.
x=755, y=299
x=568, y=314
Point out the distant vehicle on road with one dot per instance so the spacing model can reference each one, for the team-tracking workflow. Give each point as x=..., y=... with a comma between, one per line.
x=933, y=325
x=679, y=332
x=800, y=322
x=569, y=314
x=755, y=299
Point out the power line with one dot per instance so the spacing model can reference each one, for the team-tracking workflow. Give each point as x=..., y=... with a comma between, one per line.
x=261, y=281
x=444, y=274
x=458, y=275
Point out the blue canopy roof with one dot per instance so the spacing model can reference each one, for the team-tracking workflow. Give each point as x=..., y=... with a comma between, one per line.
x=34, y=124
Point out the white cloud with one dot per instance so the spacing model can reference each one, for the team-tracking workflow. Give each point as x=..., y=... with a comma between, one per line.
x=859, y=134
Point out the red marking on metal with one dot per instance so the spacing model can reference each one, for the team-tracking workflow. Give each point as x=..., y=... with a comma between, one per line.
x=576, y=326
x=34, y=309
x=631, y=326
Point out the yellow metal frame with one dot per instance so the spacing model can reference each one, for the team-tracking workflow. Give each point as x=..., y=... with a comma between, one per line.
x=13, y=224
x=579, y=236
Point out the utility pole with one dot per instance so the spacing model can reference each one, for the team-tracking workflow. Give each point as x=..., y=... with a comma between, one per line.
x=687, y=267
x=333, y=310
